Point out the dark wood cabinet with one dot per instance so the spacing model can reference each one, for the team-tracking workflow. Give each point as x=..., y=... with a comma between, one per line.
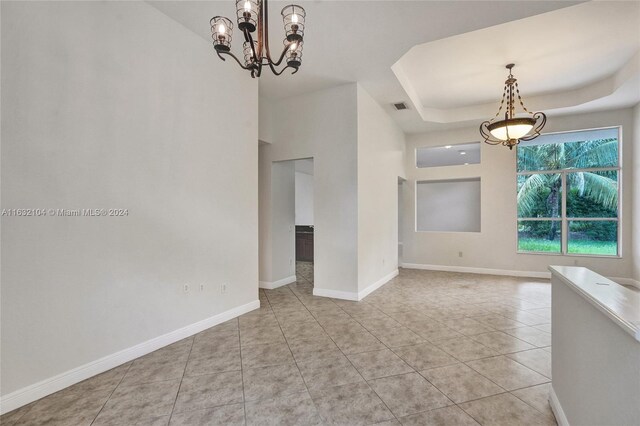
x=304, y=244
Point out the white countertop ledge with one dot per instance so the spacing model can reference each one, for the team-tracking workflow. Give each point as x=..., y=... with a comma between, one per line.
x=617, y=302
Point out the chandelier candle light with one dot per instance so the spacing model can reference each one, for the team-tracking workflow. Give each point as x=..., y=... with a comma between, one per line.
x=511, y=130
x=253, y=15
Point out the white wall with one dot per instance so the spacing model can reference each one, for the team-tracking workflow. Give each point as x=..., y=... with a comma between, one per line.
x=283, y=193
x=450, y=205
x=304, y=199
x=635, y=187
x=495, y=246
x=323, y=126
x=114, y=105
x=380, y=163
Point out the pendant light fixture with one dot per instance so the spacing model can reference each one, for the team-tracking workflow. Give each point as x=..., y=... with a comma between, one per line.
x=253, y=15
x=512, y=129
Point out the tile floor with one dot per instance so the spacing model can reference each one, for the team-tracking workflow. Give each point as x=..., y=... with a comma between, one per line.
x=428, y=348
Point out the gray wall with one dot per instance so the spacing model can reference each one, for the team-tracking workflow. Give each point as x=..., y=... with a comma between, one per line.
x=114, y=105
x=451, y=205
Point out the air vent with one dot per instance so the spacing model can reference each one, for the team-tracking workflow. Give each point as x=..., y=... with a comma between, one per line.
x=400, y=106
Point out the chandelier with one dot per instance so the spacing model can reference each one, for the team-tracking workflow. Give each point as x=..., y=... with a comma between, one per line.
x=511, y=130
x=253, y=15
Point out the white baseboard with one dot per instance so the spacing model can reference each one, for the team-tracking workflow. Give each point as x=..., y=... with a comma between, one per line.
x=348, y=295
x=561, y=418
x=470, y=270
x=48, y=386
x=373, y=287
x=268, y=285
x=626, y=281
x=335, y=294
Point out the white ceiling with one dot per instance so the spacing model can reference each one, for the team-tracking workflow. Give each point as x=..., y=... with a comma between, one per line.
x=349, y=41
x=564, y=59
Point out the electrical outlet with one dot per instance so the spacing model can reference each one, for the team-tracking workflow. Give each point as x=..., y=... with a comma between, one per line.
x=201, y=287
x=223, y=288
x=459, y=254
x=290, y=261
x=383, y=261
x=186, y=288
x=575, y=262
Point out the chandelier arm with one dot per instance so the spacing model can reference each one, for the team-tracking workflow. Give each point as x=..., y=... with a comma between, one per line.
x=275, y=71
x=234, y=57
x=284, y=52
x=249, y=38
x=542, y=120
x=488, y=137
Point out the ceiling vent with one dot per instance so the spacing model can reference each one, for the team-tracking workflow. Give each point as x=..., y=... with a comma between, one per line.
x=400, y=106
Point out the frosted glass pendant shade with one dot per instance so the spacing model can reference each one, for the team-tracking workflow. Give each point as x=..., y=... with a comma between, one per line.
x=515, y=128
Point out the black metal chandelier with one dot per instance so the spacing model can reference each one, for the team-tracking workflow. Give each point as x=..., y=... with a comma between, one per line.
x=254, y=15
x=511, y=130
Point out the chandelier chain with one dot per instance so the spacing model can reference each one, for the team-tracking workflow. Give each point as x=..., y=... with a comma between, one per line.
x=520, y=99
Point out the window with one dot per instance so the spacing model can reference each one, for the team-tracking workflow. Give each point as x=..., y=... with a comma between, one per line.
x=568, y=193
x=448, y=155
x=448, y=205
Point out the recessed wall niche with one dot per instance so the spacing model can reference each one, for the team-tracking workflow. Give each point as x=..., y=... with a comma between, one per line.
x=448, y=205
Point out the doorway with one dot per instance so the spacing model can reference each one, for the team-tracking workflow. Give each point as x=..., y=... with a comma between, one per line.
x=304, y=221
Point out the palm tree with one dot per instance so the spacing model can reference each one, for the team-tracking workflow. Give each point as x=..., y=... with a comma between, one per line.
x=600, y=187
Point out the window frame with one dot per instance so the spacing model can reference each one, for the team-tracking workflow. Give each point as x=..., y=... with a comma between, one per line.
x=563, y=218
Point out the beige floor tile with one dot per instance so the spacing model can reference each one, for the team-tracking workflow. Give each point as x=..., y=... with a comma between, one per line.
x=504, y=410
x=12, y=417
x=398, y=336
x=461, y=383
x=507, y=373
x=377, y=364
x=537, y=397
x=231, y=415
x=313, y=348
x=209, y=391
x=132, y=404
x=272, y=381
x=378, y=322
x=408, y=394
x=465, y=349
x=502, y=342
x=264, y=355
x=215, y=362
x=104, y=381
x=531, y=335
x=424, y=356
x=329, y=372
x=467, y=326
x=447, y=416
x=64, y=409
x=352, y=404
x=289, y=410
x=155, y=369
x=215, y=342
x=261, y=335
x=353, y=343
x=536, y=359
x=498, y=322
